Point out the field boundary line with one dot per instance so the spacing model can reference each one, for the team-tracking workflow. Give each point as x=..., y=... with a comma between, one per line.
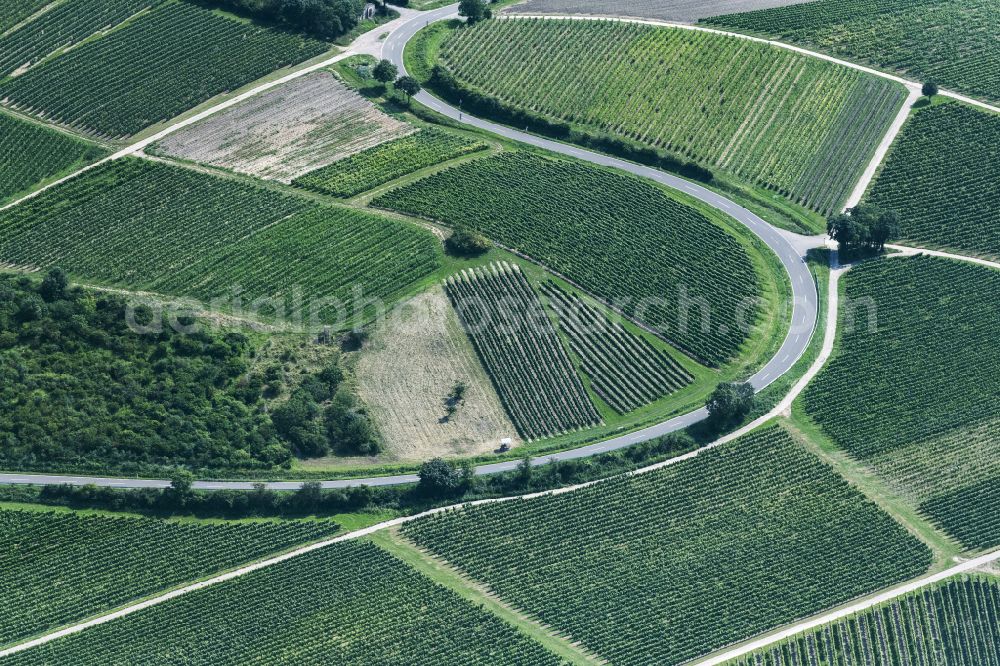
x=883, y=149
x=911, y=251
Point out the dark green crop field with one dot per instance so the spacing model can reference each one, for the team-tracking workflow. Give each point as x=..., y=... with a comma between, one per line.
x=58, y=568
x=672, y=564
x=347, y=604
x=943, y=178
x=618, y=237
x=912, y=389
x=156, y=67
x=139, y=224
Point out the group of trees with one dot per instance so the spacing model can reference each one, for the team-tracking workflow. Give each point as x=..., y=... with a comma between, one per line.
x=729, y=404
x=385, y=72
x=326, y=19
x=474, y=11
x=466, y=243
x=82, y=391
x=863, y=228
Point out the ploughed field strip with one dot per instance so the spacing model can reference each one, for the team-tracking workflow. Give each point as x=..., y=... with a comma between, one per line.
x=303, y=125
x=943, y=178
x=800, y=126
x=147, y=225
x=952, y=42
x=521, y=351
x=659, y=568
x=624, y=369
x=152, y=69
x=349, y=603
x=59, y=568
x=620, y=238
x=33, y=153
x=667, y=10
x=380, y=164
x=61, y=27
x=952, y=623
x=913, y=392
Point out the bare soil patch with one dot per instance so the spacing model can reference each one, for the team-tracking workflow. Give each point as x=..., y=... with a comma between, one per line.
x=406, y=373
x=306, y=124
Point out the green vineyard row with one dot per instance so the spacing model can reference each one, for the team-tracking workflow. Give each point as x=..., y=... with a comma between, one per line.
x=800, y=126
x=619, y=238
x=350, y=604
x=388, y=161
x=668, y=565
x=156, y=67
x=625, y=370
x=521, y=351
x=57, y=568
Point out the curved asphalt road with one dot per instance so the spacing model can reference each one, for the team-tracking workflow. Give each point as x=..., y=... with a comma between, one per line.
x=789, y=248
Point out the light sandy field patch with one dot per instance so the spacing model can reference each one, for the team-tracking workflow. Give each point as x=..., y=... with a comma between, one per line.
x=406, y=373
x=685, y=11
x=306, y=124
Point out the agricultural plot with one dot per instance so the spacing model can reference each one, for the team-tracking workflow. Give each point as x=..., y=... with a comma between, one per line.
x=666, y=10
x=521, y=351
x=619, y=238
x=142, y=224
x=943, y=178
x=13, y=12
x=389, y=161
x=624, y=369
x=953, y=623
x=350, y=603
x=407, y=373
x=912, y=390
x=952, y=42
x=56, y=568
x=665, y=566
x=154, y=68
x=63, y=26
x=306, y=124
x=33, y=153
x=800, y=126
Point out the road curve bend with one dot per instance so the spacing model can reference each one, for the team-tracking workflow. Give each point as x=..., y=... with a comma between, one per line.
x=790, y=249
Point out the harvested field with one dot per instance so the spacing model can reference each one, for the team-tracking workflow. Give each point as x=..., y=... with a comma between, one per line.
x=296, y=128
x=686, y=11
x=405, y=375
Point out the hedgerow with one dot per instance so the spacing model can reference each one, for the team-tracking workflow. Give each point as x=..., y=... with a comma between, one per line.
x=349, y=604
x=911, y=390
x=61, y=27
x=142, y=224
x=33, y=153
x=800, y=126
x=372, y=167
x=153, y=69
x=655, y=568
x=951, y=42
x=952, y=623
x=57, y=568
x=618, y=237
x=522, y=353
x=943, y=178
x=625, y=370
